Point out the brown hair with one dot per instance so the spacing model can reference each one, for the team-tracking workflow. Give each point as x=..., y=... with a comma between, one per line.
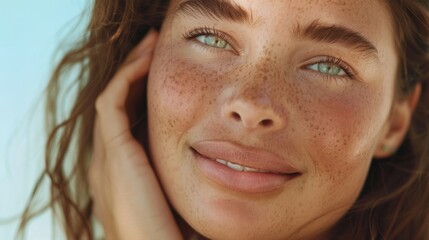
x=394, y=203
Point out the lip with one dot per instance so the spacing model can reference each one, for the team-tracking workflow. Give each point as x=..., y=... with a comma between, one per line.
x=279, y=169
x=246, y=156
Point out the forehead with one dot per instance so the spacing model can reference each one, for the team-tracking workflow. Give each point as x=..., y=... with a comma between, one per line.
x=361, y=10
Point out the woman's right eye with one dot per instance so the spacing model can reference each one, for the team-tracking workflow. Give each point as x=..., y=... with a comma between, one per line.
x=212, y=41
x=210, y=38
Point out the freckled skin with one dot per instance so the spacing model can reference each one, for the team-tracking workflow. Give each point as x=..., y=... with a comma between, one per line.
x=330, y=128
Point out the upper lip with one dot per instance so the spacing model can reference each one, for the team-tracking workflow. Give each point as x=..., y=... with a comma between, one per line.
x=245, y=156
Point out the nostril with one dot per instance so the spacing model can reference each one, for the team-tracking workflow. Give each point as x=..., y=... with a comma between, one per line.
x=236, y=116
x=266, y=122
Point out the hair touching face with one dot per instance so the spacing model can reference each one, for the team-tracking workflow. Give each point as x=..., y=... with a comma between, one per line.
x=339, y=88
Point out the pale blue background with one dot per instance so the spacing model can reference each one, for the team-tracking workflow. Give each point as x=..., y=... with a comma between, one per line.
x=30, y=32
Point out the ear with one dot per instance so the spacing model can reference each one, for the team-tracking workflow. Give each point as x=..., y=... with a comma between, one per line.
x=397, y=125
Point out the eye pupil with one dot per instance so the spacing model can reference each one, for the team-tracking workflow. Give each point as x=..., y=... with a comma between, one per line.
x=215, y=41
x=329, y=69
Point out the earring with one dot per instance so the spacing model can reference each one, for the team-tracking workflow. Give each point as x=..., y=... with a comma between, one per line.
x=385, y=148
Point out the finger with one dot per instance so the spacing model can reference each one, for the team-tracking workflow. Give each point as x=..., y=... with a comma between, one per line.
x=111, y=104
x=94, y=176
x=98, y=153
x=97, y=156
x=137, y=50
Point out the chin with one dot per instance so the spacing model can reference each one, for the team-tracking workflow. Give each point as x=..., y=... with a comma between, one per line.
x=223, y=217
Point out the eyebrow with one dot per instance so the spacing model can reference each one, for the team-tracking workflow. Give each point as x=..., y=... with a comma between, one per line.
x=228, y=10
x=336, y=34
x=214, y=9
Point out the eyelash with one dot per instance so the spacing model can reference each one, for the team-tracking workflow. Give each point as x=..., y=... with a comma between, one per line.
x=338, y=62
x=191, y=35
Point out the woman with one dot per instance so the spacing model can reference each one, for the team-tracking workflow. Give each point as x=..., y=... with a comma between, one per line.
x=287, y=120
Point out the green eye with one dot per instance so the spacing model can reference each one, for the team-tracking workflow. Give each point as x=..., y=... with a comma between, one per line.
x=328, y=68
x=212, y=41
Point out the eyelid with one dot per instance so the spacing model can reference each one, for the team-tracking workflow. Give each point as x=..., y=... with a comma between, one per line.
x=192, y=34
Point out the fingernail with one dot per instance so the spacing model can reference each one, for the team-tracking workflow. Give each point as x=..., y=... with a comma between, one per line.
x=147, y=44
x=152, y=33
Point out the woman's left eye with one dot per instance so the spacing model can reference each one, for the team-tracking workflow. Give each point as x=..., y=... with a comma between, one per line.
x=212, y=41
x=328, y=68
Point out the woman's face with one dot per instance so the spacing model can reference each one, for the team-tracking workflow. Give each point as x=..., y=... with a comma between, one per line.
x=298, y=91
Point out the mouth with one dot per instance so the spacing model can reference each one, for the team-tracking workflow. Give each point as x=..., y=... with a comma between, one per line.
x=242, y=169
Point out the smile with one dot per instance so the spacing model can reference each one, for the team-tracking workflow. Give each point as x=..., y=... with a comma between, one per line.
x=242, y=169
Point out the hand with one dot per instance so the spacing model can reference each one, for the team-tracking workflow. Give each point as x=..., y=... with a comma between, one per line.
x=128, y=199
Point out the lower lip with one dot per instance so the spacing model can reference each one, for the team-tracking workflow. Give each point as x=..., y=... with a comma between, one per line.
x=247, y=182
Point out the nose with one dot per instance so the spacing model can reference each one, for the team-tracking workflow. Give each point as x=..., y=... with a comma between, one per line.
x=252, y=116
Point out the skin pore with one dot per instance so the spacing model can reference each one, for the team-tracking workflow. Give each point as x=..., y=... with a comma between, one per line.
x=327, y=103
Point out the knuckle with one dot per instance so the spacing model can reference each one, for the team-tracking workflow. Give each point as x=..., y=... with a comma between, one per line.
x=100, y=103
x=90, y=175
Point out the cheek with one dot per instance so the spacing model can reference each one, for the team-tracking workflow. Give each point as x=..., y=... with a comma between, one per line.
x=336, y=134
x=179, y=93
x=342, y=130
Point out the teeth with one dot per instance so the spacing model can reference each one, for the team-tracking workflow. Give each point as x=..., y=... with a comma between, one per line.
x=239, y=167
x=234, y=166
x=221, y=161
x=248, y=169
